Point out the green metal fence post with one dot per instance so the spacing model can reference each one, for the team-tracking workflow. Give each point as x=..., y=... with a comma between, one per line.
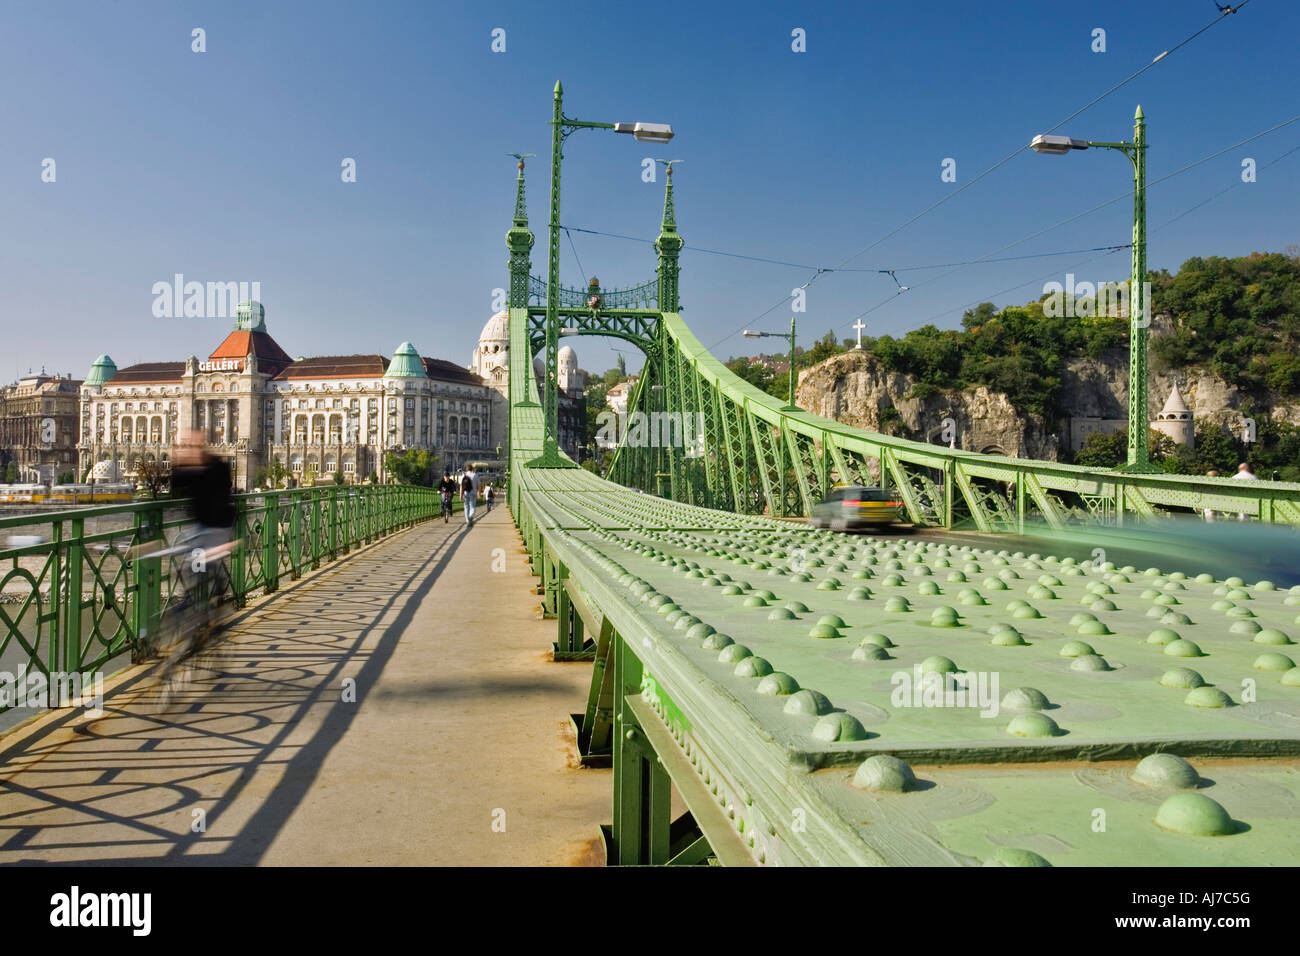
x=72, y=604
x=270, y=542
x=148, y=581
x=295, y=535
x=56, y=581
x=313, y=499
x=334, y=523
x=949, y=481
x=1020, y=502
x=239, y=558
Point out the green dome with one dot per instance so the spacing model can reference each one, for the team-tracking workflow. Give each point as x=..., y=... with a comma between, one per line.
x=250, y=316
x=101, y=371
x=406, y=363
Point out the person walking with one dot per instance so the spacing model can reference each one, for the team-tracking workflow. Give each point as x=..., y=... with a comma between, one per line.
x=1209, y=512
x=1243, y=474
x=447, y=490
x=491, y=493
x=469, y=494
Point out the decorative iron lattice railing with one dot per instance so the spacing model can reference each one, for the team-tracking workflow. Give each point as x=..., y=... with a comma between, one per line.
x=638, y=297
x=73, y=597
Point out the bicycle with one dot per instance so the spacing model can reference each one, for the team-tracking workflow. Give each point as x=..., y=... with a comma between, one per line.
x=446, y=508
x=190, y=626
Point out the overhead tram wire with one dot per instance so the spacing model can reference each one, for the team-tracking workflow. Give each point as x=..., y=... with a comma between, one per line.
x=1020, y=149
x=818, y=271
x=796, y=265
x=575, y=256
x=800, y=265
x=1090, y=211
x=1231, y=186
x=1159, y=228
x=1006, y=159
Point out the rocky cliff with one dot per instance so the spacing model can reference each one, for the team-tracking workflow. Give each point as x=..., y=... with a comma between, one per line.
x=856, y=389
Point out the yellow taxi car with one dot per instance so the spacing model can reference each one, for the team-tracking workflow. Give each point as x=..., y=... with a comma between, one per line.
x=856, y=506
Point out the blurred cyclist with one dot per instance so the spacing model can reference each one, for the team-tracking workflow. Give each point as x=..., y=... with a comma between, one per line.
x=446, y=490
x=204, y=480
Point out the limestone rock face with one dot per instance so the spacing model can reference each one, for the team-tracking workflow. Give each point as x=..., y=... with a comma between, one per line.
x=1098, y=388
x=856, y=389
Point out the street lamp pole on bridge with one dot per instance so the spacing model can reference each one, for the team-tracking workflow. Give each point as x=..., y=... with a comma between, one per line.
x=1139, y=309
x=561, y=127
x=790, y=406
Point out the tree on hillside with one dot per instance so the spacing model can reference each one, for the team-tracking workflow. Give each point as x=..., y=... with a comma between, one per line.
x=758, y=374
x=825, y=347
x=1239, y=317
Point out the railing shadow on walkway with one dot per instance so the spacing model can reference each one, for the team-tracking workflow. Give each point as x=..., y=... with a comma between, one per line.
x=238, y=727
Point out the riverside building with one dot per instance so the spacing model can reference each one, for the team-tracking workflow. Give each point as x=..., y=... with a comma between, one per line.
x=317, y=415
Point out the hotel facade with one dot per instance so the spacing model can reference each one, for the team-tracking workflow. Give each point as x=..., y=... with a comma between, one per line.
x=318, y=416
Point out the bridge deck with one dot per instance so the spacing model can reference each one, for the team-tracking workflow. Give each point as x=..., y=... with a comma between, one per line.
x=458, y=714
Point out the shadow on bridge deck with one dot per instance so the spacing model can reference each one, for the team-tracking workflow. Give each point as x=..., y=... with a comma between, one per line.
x=457, y=730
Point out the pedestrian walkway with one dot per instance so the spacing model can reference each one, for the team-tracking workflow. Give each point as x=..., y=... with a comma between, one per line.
x=452, y=750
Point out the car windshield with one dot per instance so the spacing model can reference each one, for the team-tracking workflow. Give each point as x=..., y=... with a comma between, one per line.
x=859, y=493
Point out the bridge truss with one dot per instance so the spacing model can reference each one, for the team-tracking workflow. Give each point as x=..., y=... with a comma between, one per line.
x=708, y=618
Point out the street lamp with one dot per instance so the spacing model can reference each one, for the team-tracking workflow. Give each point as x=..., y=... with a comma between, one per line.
x=561, y=127
x=1139, y=454
x=790, y=406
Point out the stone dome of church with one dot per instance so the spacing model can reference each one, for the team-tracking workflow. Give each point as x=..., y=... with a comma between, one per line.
x=497, y=329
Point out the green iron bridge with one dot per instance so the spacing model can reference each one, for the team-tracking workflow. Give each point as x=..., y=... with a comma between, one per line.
x=809, y=697
x=821, y=699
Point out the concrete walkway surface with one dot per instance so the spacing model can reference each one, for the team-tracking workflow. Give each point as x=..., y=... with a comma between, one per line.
x=397, y=708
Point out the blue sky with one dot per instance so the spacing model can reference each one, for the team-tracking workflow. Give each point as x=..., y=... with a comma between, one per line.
x=225, y=165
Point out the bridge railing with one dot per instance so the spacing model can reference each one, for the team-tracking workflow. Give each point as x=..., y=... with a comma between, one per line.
x=73, y=597
x=760, y=456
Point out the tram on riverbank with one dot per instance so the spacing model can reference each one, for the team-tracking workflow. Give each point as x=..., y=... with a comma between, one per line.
x=98, y=493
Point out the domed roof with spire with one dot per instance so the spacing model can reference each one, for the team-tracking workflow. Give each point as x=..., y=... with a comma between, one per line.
x=101, y=371
x=406, y=363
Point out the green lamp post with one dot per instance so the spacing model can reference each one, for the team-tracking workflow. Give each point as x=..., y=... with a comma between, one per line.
x=561, y=127
x=1139, y=453
x=790, y=406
